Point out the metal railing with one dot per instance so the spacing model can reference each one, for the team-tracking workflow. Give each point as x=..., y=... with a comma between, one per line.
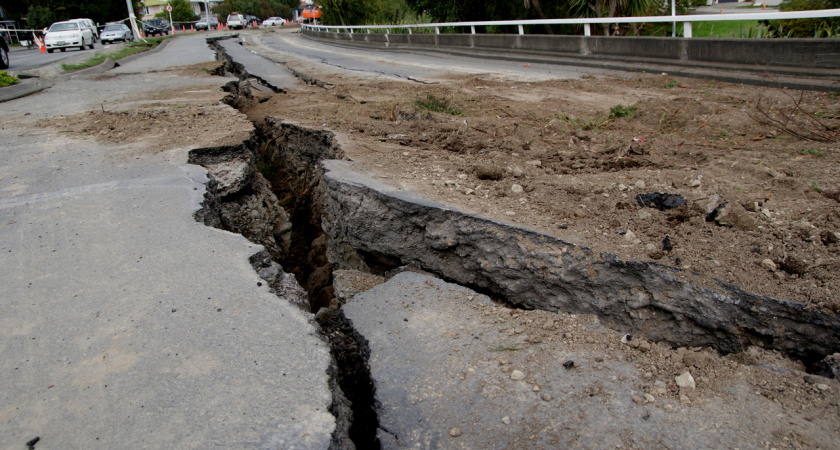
x=686, y=20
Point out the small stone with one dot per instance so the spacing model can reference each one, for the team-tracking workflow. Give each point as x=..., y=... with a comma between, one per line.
x=535, y=162
x=685, y=381
x=695, y=183
x=517, y=375
x=768, y=264
x=668, y=408
x=630, y=236
x=546, y=397
x=644, y=346
x=822, y=387
x=599, y=359
x=517, y=189
x=536, y=388
x=638, y=400
x=649, y=398
x=516, y=171
x=455, y=432
x=569, y=364
x=622, y=187
x=506, y=420
x=640, y=184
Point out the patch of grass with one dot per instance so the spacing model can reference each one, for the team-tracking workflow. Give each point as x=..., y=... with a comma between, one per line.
x=813, y=152
x=816, y=187
x=724, y=133
x=622, y=111
x=436, y=104
x=7, y=80
x=130, y=49
x=671, y=84
x=834, y=94
x=503, y=348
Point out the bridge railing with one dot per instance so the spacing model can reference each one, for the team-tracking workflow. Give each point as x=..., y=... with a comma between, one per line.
x=686, y=20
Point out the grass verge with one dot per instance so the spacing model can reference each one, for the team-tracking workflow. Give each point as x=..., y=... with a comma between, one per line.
x=130, y=49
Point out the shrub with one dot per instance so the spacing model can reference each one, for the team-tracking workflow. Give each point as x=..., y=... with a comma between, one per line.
x=807, y=27
x=7, y=80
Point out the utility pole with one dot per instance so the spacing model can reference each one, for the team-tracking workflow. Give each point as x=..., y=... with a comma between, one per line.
x=132, y=19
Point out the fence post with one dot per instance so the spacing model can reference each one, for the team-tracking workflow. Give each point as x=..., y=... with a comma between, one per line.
x=687, y=29
x=521, y=29
x=472, y=29
x=587, y=31
x=437, y=30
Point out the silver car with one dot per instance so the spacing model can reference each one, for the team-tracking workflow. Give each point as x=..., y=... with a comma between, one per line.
x=116, y=32
x=63, y=35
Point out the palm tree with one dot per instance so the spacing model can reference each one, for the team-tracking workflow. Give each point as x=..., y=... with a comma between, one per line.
x=536, y=5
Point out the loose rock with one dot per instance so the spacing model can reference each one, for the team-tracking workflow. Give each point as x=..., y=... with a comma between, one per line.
x=517, y=375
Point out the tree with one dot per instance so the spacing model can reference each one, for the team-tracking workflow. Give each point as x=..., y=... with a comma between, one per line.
x=182, y=11
x=38, y=17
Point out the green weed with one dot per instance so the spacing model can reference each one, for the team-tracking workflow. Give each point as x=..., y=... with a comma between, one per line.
x=622, y=111
x=816, y=187
x=436, y=104
x=671, y=84
x=7, y=80
x=813, y=152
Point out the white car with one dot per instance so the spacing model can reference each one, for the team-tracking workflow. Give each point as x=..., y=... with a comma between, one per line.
x=63, y=35
x=116, y=32
x=274, y=21
x=236, y=21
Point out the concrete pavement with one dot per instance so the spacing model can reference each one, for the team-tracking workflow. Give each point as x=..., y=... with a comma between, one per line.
x=124, y=323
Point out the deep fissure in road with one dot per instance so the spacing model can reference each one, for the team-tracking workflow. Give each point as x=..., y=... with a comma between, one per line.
x=274, y=189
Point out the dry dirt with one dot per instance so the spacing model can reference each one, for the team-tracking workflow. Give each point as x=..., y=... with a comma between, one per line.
x=548, y=156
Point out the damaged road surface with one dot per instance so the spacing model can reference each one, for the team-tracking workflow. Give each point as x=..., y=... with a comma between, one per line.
x=342, y=308
x=124, y=323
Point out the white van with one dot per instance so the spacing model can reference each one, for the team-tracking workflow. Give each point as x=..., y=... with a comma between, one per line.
x=87, y=23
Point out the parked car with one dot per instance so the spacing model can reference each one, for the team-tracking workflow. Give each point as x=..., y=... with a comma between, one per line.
x=236, y=21
x=64, y=35
x=4, y=54
x=155, y=27
x=252, y=21
x=87, y=23
x=202, y=24
x=274, y=21
x=116, y=32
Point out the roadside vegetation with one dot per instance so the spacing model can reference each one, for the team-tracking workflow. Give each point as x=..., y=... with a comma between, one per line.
x=130, y=48
x=7, y=80
x=403, y=12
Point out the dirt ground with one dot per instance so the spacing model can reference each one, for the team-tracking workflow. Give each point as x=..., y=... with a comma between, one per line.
x=756, y=167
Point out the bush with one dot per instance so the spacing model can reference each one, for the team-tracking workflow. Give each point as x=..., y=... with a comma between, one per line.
x=7, y=80
x=807, y=27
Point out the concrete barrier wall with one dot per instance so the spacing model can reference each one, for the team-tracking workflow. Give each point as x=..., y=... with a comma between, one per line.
x=812, y=53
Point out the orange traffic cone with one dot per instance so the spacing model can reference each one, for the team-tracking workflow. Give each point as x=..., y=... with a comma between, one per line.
x=764, y=6
x=192, y=30
x=40, y=43
x=183, y=29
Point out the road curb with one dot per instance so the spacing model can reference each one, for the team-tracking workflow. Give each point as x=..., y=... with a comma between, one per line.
x=25, y=87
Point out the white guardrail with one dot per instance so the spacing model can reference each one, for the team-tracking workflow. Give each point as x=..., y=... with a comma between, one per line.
x=687, y=20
